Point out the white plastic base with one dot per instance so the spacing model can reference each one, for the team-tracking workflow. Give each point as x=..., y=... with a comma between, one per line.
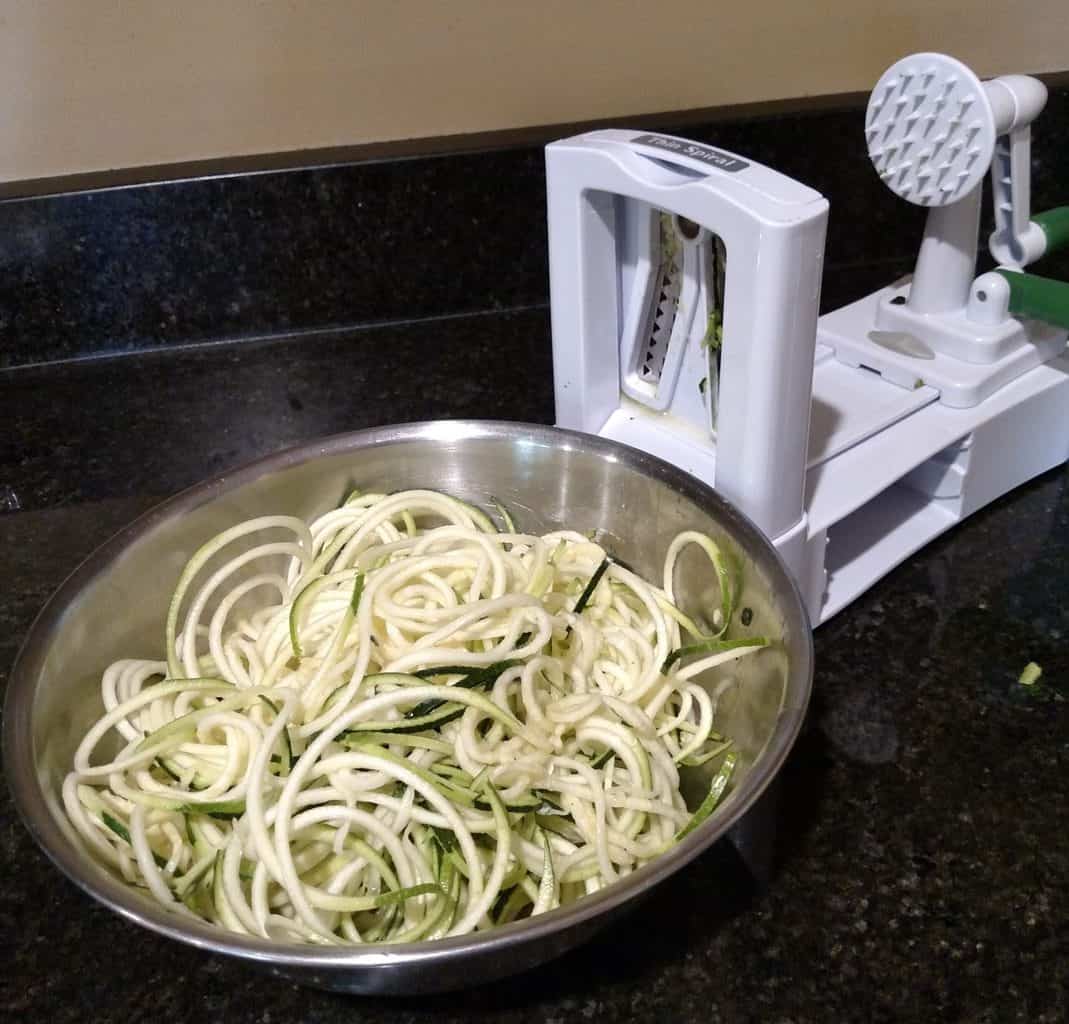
x=952, y=334
x=960, y=384
x=889, y=469
x=803, y=553
x=851, y=405
x=668, y=437
x=885, y=498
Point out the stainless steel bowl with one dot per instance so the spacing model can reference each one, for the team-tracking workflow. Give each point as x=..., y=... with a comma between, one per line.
x=114, y=605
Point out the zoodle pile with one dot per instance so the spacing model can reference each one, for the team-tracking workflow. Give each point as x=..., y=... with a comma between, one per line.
x=402, y=722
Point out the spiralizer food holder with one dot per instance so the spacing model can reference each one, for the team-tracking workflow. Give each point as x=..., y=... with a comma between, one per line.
x=685, y=285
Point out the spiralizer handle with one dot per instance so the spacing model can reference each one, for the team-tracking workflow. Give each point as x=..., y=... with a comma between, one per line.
x=1016, y=101
x=1055, y=227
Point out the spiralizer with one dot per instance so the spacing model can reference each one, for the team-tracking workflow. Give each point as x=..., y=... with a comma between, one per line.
x=685, y=285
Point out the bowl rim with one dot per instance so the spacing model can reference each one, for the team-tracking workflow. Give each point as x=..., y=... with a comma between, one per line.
x=30, y=800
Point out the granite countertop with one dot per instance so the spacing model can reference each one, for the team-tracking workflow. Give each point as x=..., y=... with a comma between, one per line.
x=922, y=861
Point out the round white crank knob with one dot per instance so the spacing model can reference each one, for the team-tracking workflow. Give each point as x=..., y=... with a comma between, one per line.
x=930, y=129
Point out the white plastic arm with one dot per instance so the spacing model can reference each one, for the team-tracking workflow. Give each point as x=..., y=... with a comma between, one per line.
x=1017, y=100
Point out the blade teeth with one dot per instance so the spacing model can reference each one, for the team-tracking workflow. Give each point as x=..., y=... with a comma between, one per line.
x=929, y=74
x=928, y=122
x=871, y=132
x=918, y=99
x=907, y=144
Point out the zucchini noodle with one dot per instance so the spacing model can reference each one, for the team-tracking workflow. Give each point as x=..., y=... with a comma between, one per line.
x=413, y=726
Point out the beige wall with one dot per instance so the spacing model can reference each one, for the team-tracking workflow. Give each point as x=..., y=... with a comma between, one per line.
x=87, y=85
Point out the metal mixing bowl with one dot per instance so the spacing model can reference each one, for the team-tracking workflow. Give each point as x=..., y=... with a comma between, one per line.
x=115, y=603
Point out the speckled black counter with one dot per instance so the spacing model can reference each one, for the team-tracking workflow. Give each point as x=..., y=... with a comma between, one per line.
x=923, y=852
x=252, y=255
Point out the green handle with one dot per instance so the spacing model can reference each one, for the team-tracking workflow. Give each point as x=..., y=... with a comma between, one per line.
x=1038, y=298
x=1055, y=225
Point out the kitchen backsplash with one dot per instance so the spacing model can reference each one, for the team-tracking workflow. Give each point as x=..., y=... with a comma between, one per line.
x=255, y=255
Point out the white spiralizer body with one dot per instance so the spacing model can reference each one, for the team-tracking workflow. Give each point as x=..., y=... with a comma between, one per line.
x=852, y=441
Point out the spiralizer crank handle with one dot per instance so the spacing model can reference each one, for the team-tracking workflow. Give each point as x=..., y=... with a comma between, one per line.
x=1055, y=227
